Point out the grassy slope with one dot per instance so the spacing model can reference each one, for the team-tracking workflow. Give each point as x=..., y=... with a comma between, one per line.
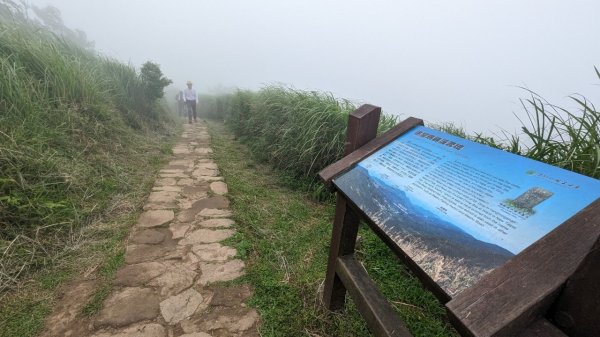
x=285, y=238
x=75, y=129
x=96, y=248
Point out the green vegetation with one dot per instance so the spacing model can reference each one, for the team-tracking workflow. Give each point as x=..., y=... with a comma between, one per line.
x=153, y=80
x=75, y=129
x=298, y=131
x=284, y=238
x=301, y=132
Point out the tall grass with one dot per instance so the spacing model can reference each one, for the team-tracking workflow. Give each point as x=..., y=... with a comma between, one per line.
x=564, y=138
x=301, y=132
x=296, y=131
x=74, y=129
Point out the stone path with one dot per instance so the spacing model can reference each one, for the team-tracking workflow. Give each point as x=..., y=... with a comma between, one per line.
x=174, y=261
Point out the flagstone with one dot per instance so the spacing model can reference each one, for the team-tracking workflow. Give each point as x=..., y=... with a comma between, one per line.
x=174, y=280
x=165, y=182
x=219, y=187
x=179, y=229
x=158, y=197
x=155, y=218
x=215, y=213
x=139, y=274
x=216, y=223
x=143, y=253
x=214, y=252
x=168, y=188
x=206, y=236
x=221, y=272
x=179, y=307
x=148, y=236
x=139, y=330
x=185, y=182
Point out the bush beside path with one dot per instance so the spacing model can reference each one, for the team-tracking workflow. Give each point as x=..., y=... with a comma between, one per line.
x=174, y=265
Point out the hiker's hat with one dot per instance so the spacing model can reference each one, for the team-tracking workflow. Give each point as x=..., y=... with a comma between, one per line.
x=189, y=82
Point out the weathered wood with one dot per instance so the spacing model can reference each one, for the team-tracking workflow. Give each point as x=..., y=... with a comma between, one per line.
x=542, y=328
x=376, y=310
x=362, y=127
x=343, y=239
x=577, y=310
x=513, y=296
x=333, y=170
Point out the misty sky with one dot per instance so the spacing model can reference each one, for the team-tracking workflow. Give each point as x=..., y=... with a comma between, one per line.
x=440, y=60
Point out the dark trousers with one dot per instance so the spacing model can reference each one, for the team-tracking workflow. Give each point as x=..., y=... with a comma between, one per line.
x=191, y=108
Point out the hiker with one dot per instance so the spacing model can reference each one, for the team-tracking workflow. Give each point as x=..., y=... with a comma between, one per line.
x=190, y=96
x=180, y=103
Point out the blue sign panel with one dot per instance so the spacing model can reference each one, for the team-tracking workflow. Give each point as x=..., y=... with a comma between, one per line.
x=458, y=208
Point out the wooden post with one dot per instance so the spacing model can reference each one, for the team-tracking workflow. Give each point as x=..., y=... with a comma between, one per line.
x=577, y=310
x=362, y=127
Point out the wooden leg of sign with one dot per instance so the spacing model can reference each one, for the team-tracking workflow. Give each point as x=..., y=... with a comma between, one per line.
x=343, y=239
x=577, y=310
x=362, y=127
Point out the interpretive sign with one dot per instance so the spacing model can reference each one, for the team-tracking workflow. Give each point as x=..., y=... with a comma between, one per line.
x=459, y=209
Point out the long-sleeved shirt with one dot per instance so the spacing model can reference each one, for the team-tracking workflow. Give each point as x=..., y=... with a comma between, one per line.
x=190, y=95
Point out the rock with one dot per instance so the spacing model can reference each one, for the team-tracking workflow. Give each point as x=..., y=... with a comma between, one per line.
x=139, y=274
x=142, y=253
x=215, y=223
x=174, y=175
x=185, y=182
x=221, y=272
x=149, y=236
x=140, y=330
x=185, y=203
x=176, y=279
x=181, y=163
x=163, y=197
x=219, y=187
x=195, y=192
x=234, y=320
x=165, y=182
x=202, y=172
x=154, y=207
x=189, y=215
x=231, y=296
x=196, y=334
x=155, y=218
x=171, y=170
x=177, y=308
x=215, y=213
x=178, y=253
x=179, y=229
x=214, y=252
x=210, y=165
x=181, y=150
x=167, y=188
x=208, y=179
x=206, y=236
x=128, y=306
x=205, y=150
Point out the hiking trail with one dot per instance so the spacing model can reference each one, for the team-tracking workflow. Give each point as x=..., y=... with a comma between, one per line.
x=169, y=285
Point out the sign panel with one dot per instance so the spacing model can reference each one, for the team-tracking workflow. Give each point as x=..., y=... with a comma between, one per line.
x=458, y=208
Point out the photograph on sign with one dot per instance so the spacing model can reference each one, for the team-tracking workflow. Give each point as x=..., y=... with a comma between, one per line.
x=458, y=208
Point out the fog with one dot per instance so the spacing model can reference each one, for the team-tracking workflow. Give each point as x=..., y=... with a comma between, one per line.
x=461, y=61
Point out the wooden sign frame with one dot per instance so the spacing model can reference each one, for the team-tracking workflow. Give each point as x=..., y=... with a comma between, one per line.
x=552, y=288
